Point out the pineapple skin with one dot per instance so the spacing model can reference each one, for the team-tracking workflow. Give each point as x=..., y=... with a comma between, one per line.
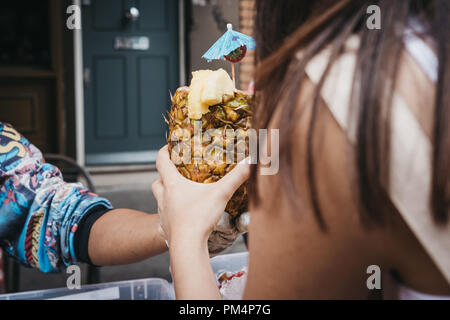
x=233, y=113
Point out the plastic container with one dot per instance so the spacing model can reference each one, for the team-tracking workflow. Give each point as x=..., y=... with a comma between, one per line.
x=143, y=289
x=229, y=262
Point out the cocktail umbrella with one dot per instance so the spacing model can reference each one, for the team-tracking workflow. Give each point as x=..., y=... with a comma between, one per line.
x=232, y=46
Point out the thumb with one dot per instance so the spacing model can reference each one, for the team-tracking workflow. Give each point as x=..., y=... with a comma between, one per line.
x=235, y=178
x=166, y=169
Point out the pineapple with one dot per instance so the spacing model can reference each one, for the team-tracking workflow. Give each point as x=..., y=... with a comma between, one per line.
x=201, y=144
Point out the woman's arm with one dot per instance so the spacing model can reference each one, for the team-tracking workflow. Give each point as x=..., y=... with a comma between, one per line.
x=189, y=211
x=191, y=270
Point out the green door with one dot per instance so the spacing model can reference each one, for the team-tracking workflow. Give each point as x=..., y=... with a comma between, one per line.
x=130, y=56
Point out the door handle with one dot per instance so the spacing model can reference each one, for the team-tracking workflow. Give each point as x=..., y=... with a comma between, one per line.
x=86, y=77
x=132, y=14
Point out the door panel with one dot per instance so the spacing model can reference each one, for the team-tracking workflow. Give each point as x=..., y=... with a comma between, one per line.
x=153, y=19
x=155, y=70
x=127, y=91
x=29, y=71
x=28, y=104
x=109, y=94
x=107, y=14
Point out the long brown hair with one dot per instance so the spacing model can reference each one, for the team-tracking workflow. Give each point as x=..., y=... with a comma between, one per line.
x=282, y=28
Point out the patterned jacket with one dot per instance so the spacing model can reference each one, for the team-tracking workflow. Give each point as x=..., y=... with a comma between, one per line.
x=39, y=212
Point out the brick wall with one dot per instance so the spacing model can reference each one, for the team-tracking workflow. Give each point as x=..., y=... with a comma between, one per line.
x=246, y=22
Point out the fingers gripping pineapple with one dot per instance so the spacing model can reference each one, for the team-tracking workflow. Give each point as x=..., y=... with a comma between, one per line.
x=208, y=124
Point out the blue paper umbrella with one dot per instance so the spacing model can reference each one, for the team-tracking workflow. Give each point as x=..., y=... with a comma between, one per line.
x=230, y=41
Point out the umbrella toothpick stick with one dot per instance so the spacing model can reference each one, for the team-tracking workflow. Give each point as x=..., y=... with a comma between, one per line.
x=233, y=74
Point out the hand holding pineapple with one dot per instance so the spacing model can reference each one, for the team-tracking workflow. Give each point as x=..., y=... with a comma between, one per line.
x=208, y=124
x=202, y=195
x=190, y=210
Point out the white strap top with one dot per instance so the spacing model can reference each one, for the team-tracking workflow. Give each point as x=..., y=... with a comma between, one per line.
x=410, y=164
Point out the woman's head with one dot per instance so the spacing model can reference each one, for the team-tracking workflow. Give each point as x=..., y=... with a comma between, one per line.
x=283, y=28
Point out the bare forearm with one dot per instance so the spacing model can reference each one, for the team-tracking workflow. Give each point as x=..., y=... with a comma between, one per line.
x=124, y=236
x=191, y=270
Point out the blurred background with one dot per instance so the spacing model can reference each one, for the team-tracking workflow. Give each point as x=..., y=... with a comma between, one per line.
x=97, y=95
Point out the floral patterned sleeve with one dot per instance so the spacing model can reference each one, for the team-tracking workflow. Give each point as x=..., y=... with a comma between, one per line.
x=39, y=212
